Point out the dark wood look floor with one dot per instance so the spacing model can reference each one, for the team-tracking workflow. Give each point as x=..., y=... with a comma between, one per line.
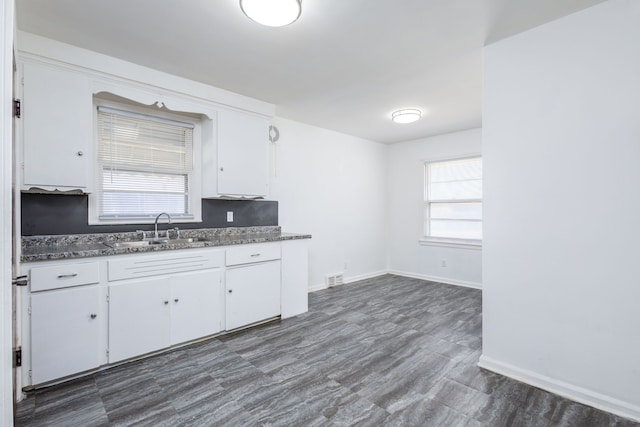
x=388, y=351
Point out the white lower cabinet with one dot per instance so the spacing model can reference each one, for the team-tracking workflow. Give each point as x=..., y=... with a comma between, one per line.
x=252, y=293
x=139, y=317
x=295, y=277
x=83, y=315
x=196, y=305
x=153, y=313
x=65, y=332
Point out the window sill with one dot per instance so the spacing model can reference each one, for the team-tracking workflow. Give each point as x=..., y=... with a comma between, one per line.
x=144, y=220
x=451, y=243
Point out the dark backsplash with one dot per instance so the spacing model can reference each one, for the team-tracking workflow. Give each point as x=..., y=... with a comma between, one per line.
x=53, y=214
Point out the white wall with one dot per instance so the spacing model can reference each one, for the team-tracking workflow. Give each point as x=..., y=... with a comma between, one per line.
x=332, y=186
x=6, y=84
x=405, y=194
x=561, y=289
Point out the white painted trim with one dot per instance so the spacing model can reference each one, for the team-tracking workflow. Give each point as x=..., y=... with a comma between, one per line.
x=436, y=159
x=316, y=288
x=561, y=388
x=351, y=279
x=7, y=18
x=451, y=243
x=365, y=276
x=445, y=280
x=41, y=47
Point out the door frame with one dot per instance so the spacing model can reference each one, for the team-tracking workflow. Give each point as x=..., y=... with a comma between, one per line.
x=7, y=19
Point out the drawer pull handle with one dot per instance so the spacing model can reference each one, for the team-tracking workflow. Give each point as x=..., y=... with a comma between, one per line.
x=93, y=316
x=255, y=255
x=66, y=276
x=166, y=302
x=176, y=300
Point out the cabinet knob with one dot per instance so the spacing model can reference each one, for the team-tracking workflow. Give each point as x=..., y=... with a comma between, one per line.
x=221, y=169
x=80, y=154
x=166, y=302
x=176, y=300
x=93, y=316
x=230, y=291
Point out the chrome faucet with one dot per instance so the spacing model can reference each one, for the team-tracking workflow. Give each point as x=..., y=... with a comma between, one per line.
x=156, y=224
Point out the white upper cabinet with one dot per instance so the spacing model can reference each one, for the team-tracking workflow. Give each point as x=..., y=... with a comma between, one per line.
x=57, y=128
x=242, y=154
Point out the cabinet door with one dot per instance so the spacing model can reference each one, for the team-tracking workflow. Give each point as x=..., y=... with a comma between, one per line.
x=196, y=305
x=295, y=277
x=57, y=121
x=65, y=332
x=243, y=154
x=139, y=317
x=252, y=293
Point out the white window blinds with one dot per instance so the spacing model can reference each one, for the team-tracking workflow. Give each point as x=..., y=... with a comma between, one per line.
x=145, y=164
x=453, y=199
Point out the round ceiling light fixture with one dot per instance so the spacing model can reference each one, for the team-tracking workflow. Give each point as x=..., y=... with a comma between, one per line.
x=408, y=115
x=272, y=13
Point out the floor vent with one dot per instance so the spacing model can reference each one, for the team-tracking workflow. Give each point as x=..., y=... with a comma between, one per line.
x=332, y=280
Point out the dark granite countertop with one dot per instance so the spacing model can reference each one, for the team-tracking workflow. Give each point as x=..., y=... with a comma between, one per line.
x=43, y=248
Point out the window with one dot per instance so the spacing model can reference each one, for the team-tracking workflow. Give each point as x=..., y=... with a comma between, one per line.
x=145, y=165
x=453, y=199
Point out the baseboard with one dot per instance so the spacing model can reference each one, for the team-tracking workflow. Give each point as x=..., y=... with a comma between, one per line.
x=350, y=279
x=445, y=280
x=561, y=388
x=317, y=288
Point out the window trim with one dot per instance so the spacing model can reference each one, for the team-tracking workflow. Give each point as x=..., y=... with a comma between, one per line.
x=426, y=239
x=195, y=177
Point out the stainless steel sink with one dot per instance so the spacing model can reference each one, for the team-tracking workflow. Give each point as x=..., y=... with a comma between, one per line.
x=181, y=241
x=148, y=242
x=136, y=244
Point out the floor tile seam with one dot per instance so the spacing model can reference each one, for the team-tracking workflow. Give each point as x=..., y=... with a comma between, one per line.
x=516, y=405
x=366, y=400
x=477, y=389
x=255, y=407
x=419, y=395
x=456, y=410
x=160, y=395
x=445, y=401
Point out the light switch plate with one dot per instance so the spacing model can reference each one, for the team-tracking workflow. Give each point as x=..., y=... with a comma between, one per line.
x=230, y=216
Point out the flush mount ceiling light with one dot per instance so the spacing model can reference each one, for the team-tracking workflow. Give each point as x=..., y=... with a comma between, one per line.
x=406, y=116
x=272, y=13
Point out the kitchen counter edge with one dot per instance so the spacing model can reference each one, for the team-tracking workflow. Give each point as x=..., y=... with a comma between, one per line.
x=49, y=248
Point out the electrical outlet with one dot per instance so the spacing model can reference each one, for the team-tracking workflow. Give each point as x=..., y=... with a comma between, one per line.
x=230, y=216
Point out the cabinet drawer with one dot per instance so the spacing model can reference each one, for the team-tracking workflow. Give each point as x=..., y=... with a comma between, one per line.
x=64, y=276
x=168, y=263
x=245, y=254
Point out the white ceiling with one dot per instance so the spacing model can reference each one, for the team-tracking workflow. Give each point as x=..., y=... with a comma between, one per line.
x=344, y=65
